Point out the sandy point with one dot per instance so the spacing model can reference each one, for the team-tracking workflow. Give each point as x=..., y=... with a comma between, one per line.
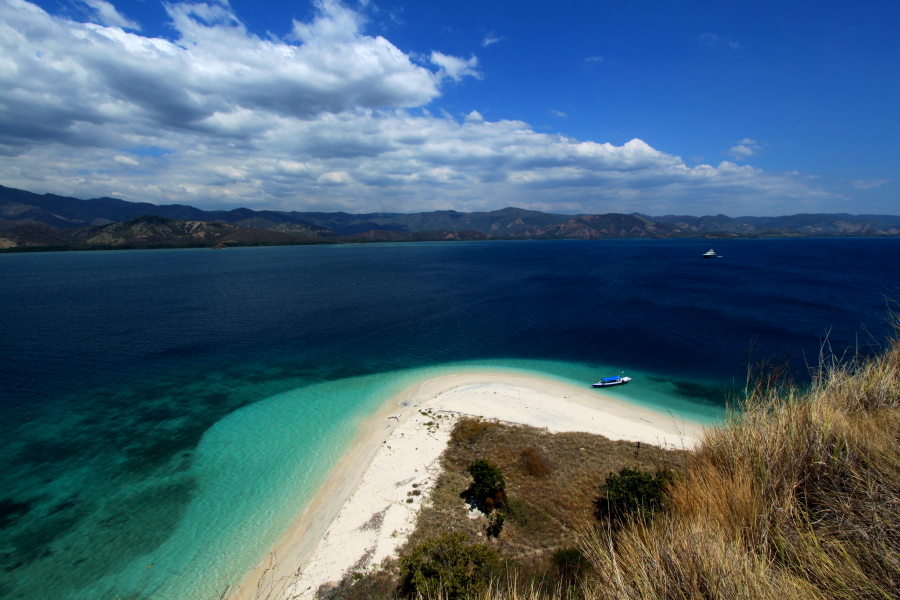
x=367, y=507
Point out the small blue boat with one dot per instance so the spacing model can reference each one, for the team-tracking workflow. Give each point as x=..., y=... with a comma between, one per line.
x=608, y=381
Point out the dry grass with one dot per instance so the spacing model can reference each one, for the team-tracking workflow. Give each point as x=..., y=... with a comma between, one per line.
x=798, y=497
x=551, y=485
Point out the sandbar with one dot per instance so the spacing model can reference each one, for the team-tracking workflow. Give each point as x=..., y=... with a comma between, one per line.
x=363, y=513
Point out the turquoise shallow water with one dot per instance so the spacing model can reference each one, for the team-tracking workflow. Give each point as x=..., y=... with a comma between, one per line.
x=258, y=466
x=174, y=408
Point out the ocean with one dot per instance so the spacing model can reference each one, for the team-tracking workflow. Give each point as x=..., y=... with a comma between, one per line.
x=166, y=412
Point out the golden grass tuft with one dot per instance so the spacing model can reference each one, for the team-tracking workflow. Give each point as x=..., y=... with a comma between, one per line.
x=797, y=497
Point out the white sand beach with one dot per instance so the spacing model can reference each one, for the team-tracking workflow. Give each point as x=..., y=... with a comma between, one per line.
x=362, y=514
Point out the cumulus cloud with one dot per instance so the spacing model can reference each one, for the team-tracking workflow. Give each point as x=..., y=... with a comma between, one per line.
x=455, y=68
x=107, y=14
x=329, y=119
x=559, y=113
x=744, y=149
x=64, y=81
x=362, y=160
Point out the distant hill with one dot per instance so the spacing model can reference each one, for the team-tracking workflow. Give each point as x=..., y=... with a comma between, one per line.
x=803, y=224
x=35, y=220
x=65, y=212
x=380, y=235
x=502, y=223
x=146, y=231
x=29, y=233
x=591, y=227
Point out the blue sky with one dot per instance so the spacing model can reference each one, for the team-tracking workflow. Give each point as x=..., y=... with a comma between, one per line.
x=661, y=107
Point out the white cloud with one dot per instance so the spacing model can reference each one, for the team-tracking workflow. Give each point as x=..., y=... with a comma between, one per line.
x=744, y=149
x=330, y=119
x=593, y=59
x=125, y=160
x=559, y=113
x=489, y=39
x=67, y=82
x=868, y=184
x=741, y=151
x=364, y=160
x=107, y=14
x=455, y=68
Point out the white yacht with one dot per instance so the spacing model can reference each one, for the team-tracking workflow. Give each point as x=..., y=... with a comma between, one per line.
x=710, y=254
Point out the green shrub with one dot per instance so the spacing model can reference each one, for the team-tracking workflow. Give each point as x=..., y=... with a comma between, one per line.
x=632, y=493
x=488, y=479
x=447, y=565
x=495, y=524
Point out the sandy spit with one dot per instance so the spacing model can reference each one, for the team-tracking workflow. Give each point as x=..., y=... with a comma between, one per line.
x=361, y=515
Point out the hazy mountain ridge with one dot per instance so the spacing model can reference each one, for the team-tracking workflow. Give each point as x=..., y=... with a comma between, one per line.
x=504, y=222
x=31, y=220
x=380, y=235
x=65, y=212
x=153, y=230
x=146, y=231
x=803, y=223
x=613, y=225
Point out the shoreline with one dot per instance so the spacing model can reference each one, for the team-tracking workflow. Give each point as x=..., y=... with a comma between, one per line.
x=362, y=513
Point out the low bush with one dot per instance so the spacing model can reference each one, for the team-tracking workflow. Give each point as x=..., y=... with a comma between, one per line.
x=534, y=463
x=495, y=524
x=448, y=565
x=488, y=478
x=632, y=493
x=372, y=585
x=469, y=430
x=488, y=487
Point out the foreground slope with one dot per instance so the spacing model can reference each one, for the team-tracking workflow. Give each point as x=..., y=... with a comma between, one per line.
x=799, y=497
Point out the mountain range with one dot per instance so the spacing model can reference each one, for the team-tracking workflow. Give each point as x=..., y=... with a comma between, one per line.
x=43, y=221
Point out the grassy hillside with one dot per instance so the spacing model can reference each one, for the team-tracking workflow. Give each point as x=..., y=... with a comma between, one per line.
x=797, y=497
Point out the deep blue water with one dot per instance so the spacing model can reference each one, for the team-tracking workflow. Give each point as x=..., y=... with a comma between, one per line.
x=131, y=382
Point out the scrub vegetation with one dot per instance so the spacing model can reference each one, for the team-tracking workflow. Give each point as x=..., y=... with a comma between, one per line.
x=509, y=509
x=798, y=496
